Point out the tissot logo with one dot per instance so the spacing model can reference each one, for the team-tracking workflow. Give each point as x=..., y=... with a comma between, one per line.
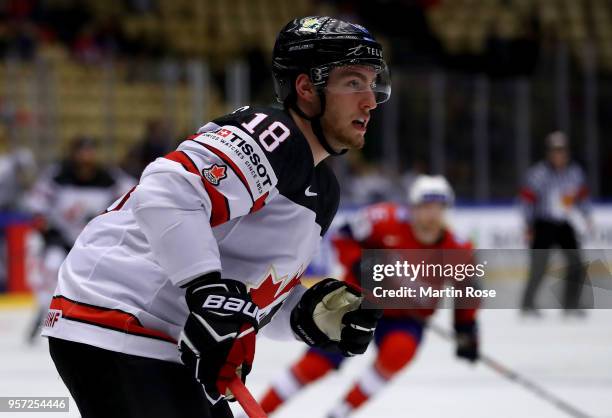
x=224, y=133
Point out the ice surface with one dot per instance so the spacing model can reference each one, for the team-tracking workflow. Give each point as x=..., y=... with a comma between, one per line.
x=572, y=359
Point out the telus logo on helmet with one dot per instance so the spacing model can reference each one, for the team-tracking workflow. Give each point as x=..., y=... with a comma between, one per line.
x=360, y=49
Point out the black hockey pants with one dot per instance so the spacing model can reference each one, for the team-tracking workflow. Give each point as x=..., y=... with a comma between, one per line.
x=109, y=384
x=545, y=236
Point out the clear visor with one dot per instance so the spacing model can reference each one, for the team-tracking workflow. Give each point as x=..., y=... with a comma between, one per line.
x=360, y=78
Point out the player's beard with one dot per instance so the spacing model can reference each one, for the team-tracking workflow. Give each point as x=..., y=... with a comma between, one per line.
x=340, y=133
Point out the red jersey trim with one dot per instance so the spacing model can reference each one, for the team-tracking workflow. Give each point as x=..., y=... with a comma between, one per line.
x=227, y=160
x=220, y=212
x=122, y=202
x=257, y=204
x=113, y=319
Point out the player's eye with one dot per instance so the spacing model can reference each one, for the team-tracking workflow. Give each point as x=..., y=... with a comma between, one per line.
x=356, y=84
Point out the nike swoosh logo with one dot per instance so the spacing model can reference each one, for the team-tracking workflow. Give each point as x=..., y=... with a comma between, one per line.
x=308, y=193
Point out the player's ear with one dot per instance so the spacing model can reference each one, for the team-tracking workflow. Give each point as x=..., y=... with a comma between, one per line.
x=304, y=88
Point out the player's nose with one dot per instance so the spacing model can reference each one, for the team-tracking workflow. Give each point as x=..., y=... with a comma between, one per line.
x=368, y=100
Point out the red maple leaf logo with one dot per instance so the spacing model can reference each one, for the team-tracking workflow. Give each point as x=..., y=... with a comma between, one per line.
x=271, y=288
x=215, y=173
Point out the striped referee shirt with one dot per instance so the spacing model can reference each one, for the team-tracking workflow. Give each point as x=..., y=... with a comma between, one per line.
x=552, y=195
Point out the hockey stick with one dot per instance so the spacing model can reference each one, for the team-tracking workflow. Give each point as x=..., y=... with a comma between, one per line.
x=515, y=377
x=245, y=399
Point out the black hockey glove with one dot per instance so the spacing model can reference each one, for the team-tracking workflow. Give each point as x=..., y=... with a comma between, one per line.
x=467, y=341
x=218, y=340
x=329, y=316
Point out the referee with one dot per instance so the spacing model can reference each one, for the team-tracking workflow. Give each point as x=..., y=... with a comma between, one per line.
x=554, y=191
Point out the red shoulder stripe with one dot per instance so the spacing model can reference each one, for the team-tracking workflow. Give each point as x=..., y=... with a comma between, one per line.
x=227, y=160
x=181, y=157
x=220, y=212
x=220, y=206
x=259, y=203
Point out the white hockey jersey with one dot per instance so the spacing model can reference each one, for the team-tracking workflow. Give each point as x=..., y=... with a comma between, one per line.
x=69, y=203
x=242, y=196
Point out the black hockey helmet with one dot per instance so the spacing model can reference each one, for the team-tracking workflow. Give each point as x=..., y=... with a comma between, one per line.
x=314, y=46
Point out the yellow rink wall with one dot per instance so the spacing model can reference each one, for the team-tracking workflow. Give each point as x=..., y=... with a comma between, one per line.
x=16, y=300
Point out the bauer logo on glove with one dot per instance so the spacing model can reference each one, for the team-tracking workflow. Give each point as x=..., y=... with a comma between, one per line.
x=218, y=341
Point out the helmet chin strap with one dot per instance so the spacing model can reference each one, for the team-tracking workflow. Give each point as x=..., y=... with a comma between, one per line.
x=315, y=122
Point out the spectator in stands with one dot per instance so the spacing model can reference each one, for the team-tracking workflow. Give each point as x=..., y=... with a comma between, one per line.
x=555, y=191
x=154, y=143
x=20, y=40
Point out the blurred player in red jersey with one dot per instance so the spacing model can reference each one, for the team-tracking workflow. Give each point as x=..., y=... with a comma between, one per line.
x=399, y=332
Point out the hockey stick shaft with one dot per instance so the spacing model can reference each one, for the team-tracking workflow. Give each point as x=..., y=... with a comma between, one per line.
x=245, y=399
x=516, y=378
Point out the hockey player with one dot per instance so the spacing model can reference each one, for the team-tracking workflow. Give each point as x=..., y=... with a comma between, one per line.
x=399, y=332
x=209, y=247
x=66, y=196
